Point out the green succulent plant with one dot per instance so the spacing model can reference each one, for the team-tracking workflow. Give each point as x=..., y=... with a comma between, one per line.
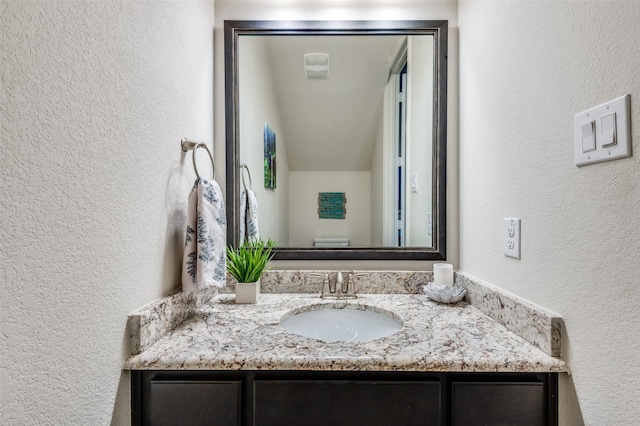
x=247, y=262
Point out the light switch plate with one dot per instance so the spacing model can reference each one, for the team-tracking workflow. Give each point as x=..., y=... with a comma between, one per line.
x=414, y=182
x=512, y=237
x=612, y=132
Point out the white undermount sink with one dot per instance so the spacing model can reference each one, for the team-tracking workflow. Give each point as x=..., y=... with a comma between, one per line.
x=341, y=322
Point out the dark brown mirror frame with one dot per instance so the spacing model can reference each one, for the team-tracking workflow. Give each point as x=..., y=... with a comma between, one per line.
x=233, y=29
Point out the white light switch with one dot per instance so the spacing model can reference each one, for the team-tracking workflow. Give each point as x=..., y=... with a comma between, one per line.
x=588, y=136
x=414, y=182
x=608, y=130
x=512, y=237
x=603, y=133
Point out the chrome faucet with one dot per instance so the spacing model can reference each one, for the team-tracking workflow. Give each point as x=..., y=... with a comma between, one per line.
x=338, y=289
x=339, y=282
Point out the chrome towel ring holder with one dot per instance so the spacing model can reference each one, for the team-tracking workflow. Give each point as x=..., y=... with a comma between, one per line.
x=190, y=145
x=243, y=166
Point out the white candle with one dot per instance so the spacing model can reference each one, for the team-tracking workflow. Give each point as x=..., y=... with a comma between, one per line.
x=443, y=274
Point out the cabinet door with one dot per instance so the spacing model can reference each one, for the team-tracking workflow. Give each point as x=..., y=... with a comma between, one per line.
x=496, y=404
x=192, y=403
x=335, y=403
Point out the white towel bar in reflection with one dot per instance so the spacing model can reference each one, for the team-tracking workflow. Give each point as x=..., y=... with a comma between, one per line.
x=244, y=184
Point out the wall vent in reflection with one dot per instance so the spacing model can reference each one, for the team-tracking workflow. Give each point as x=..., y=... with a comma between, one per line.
x=316, y=66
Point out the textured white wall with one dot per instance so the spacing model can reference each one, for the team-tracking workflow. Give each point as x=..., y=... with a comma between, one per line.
x=419, y=105
x=95, y=99
x=304, y=224
x=526, y=68
x=353, y=10
x=377, y=186
x=259, y=105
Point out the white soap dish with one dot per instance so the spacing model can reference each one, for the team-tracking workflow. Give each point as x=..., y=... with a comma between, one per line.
x=443, y=293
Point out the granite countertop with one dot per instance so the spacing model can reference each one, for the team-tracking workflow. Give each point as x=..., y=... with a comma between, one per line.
x=221, y=335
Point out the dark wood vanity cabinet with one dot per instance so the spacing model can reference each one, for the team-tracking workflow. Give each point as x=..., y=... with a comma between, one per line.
x=348, y=403
x=342, y=398
x=172, y=401
x=498, y=403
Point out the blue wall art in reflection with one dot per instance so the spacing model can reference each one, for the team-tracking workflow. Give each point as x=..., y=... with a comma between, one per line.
x=269, y=157
x=331, y=205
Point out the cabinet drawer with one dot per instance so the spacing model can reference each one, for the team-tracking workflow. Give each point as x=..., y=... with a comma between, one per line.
x=326, y=402
x=193, y=403
x=498, y=403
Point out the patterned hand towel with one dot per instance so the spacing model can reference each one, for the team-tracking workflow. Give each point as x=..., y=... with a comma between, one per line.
x=248, y=216
x=205, y=255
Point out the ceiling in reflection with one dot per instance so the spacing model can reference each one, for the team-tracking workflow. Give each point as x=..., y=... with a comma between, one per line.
x=330, y=125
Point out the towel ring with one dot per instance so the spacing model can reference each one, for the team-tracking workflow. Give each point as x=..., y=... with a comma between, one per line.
x=188, y=145
x=244, y=166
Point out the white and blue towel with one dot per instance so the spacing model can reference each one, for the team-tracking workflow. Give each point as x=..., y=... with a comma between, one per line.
x=248, y=216
x=205, y=255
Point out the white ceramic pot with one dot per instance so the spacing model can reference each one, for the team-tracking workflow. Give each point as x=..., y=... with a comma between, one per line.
x=247, y=292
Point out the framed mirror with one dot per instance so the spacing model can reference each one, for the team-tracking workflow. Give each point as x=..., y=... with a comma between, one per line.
x=338, y=128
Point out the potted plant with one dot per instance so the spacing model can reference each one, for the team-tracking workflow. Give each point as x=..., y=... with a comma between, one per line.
x=246, y=264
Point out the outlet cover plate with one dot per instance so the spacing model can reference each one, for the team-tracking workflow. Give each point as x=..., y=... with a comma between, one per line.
x=512, y=237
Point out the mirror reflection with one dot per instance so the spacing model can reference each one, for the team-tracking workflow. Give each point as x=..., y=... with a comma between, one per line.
x=350, y=116
x=341, y=134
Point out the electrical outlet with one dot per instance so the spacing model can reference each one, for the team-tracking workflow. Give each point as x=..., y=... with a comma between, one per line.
x=512, y=237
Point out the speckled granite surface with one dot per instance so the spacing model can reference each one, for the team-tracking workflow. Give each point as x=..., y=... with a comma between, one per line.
x=221, y=335
x=367, y=282
x=152, y=321
x=533, y=323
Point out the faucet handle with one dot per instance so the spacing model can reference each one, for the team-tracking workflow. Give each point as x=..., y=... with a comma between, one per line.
x=340, y=282
x=325, y=280
x=353, y=275
x=351, y=284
